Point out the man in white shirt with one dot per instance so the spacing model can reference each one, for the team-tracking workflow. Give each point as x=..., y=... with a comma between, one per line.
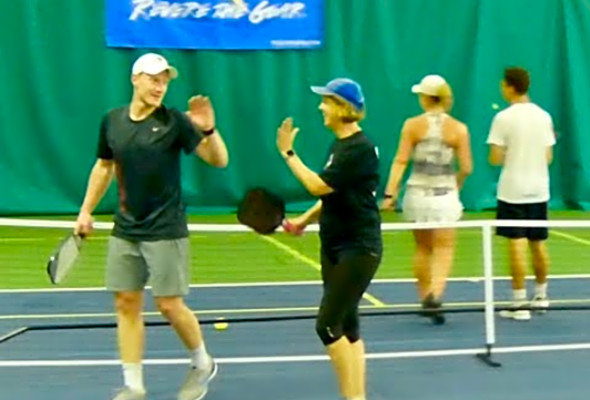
x=521, y=140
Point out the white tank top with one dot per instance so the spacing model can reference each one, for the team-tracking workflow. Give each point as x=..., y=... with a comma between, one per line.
x=433, y=160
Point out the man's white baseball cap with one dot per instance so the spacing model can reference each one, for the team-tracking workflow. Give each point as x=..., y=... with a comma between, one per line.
x=153, y=64
x=431, y=85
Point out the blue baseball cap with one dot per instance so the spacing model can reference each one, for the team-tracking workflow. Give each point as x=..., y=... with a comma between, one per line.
x=345, y=89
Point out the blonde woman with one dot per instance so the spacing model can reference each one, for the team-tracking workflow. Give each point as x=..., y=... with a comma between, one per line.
x=433, y=141
x=350, y=226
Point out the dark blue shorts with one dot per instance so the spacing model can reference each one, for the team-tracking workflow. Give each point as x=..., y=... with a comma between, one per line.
x=527, y=211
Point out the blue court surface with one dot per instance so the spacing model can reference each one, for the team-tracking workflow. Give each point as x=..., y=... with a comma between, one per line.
x=545, y=358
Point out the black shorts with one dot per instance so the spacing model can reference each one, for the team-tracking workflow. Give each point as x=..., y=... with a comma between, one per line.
x=526, y=211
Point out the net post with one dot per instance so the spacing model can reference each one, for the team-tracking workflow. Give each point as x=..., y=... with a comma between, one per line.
x=488, y=268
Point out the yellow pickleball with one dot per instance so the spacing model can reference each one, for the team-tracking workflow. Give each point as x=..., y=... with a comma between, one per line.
x=220, y=325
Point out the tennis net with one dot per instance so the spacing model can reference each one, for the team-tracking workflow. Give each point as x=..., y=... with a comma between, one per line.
x=244, y=277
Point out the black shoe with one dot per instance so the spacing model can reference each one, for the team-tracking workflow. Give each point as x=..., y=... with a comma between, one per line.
x=432, y=309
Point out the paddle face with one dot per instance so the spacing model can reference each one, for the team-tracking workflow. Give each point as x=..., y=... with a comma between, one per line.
x=261, y=210
x=62, y=260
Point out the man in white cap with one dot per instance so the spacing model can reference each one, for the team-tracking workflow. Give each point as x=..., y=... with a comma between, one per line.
x=140, y=144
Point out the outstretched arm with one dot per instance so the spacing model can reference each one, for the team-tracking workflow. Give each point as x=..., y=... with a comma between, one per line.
x=213, y=151
x=314, y=184
x=212, y=148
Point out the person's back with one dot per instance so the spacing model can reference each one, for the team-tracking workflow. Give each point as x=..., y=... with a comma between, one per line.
x=521, y=140
x=525, y=174
x=433, y=156
x=433, y=141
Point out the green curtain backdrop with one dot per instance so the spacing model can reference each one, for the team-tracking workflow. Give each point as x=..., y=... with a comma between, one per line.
x=58, y=78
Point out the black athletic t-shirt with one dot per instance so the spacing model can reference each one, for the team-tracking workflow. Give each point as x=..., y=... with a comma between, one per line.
x=350, y=215
x=147, y=164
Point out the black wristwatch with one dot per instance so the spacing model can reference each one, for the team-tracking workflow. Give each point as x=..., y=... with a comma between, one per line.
x=289, y=153
x=387, y=196
x=209, y=132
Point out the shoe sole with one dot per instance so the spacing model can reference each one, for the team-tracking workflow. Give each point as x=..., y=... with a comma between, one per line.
x=540, y=309
x=435, y=315
x=513, y=317
x=214, y=373
x=438, y=319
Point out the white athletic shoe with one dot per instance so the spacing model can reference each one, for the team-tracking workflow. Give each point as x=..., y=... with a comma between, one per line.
x=540, y=304
x=196, y=383
x=516, y=314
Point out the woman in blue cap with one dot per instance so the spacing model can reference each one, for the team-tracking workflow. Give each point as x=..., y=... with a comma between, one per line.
x=350, y=225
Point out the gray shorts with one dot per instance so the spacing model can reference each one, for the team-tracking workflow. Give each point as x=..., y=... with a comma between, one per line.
x=164, y=263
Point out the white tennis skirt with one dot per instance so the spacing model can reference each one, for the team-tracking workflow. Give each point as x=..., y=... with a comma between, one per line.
x=431, y=205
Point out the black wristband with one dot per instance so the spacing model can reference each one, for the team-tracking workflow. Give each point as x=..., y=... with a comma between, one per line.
x=289, y=153
x=209, y=132
x=387, y=196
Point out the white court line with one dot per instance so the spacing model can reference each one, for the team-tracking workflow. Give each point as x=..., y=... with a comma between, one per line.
x=284, y=283
x=314, y=264
x=284, y=310
x=24, y=240
x=157, y=314
x=44, y=239
x=301, y=358
x=571, y=237
x=57, y=238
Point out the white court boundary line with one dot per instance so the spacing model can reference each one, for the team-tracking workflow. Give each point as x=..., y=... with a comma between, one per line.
x=282, y=310
x=475, y=279
x=313, y=264
x=569, y=236
x=300, y=358
x=237, y=228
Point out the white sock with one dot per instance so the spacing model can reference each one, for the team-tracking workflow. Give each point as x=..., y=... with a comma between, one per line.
x=133, y=376
x=201, y=358
x=541, y=290
x=519, y=296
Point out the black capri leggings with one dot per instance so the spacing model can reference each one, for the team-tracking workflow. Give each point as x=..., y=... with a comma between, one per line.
x=346, y=276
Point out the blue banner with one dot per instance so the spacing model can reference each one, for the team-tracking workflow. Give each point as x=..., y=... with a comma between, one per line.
x=215, y=24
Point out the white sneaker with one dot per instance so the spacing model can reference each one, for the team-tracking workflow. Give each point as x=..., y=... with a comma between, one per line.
x=540, y=304
x=196, y=383
x=518, y=315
